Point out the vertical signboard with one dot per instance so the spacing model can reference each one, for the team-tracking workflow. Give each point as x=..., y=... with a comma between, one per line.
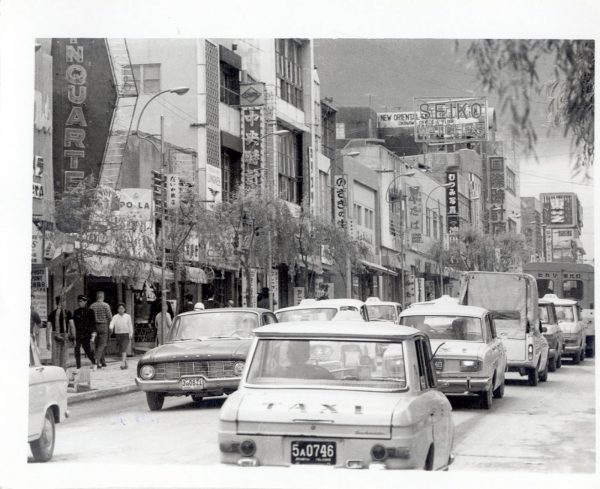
x=84, y=98
x=39, y=286
x=37, y=245
x=452, y=203
x=548, y=241
x=415, y=214
x=172, y=191
x=497, y=181
x=560, y=209
x=340, y=210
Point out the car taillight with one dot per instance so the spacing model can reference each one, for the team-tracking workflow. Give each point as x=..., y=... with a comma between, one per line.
x=530, y=352
x=378, y=453
x=248, y=448
x=470, y=365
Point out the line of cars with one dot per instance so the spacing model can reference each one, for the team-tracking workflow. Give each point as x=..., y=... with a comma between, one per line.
x=322, y=387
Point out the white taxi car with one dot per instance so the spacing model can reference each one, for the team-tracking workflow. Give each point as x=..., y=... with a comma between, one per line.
x=320, y=310
x=469, y=358
x=379, y=310
x=47, y=404
x=572, y=326
x=335, y=393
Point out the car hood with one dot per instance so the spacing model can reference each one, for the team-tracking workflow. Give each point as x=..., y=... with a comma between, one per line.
x=318, y=412
x=453, y=348
x=199, y=349
x=569, y=327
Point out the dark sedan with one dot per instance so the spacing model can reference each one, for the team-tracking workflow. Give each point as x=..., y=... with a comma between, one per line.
x=204, y=355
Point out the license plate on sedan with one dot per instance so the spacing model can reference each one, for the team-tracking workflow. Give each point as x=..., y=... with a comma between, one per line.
x=192, y=383
x=314, y=452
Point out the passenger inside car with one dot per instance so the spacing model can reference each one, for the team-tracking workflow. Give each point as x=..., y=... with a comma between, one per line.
x=298, y=354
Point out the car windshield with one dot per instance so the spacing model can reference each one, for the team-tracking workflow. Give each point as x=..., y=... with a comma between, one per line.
x=382, y=313
x=508, y=324
x=214, y=325
x=565, y=313
x=460, y=328
x=312, y=314
x=328, y=363
x=545, y=313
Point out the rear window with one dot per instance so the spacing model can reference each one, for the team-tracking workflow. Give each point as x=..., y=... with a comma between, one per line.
x=382, y=313
x=508, y=324
x=313, y=314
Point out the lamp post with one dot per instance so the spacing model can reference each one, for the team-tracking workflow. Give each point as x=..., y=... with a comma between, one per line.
x=163, y=305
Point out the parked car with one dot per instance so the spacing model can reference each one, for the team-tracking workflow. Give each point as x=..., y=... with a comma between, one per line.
x=512, y=299
x=47, y=404
x=339, y=394
x=552, y=333
x=469, y=358
x=379, y=310
x=572, y=326
x=320, y=310
x=204, y=354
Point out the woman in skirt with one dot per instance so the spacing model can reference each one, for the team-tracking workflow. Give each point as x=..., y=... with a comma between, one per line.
x=123, y=328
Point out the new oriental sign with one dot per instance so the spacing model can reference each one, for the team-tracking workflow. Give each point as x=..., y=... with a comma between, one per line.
x=451, y=121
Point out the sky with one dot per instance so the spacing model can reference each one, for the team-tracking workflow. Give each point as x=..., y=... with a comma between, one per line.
x=387, y=73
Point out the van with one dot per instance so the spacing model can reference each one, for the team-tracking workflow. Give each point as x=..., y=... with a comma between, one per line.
x=512, y=299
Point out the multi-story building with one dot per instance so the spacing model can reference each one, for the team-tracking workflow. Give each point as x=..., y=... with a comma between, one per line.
x=562, y=220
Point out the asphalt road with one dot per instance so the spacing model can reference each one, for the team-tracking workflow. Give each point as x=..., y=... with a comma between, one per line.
x=550, y=427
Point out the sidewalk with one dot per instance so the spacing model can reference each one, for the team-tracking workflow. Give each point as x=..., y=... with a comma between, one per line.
x=104, y=382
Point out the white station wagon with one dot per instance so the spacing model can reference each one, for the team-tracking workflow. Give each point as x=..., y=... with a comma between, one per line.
x=338, y=394
x=469, y=358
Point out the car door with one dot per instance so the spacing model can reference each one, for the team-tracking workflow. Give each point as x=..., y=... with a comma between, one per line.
x=493, y=350
x=37, y=392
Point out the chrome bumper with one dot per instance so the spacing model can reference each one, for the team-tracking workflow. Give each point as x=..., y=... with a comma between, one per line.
x=174, y=386
x=464, y=386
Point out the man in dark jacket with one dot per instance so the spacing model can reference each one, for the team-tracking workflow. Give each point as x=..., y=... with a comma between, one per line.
x=85, y=325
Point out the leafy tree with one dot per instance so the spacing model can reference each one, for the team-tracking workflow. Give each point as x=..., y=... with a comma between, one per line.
x=513, y=69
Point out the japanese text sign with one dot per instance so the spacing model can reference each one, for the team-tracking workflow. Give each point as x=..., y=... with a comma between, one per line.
x=172, y=191
x=452, y=202
x=415, y=214
x=253, y=132
x=341, y=201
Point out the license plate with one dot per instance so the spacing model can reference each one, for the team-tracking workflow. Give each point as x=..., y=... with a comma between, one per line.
x=192, y=383
x=314, y=452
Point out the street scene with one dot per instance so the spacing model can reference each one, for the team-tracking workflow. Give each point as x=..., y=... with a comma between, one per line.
x=372, y=254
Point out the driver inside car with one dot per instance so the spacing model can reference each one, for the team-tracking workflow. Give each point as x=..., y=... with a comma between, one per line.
x=298, y=353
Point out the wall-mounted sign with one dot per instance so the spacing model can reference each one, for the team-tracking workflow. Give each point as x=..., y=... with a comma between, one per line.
x=452, y=202
x=84, y=98
x=341, y=200
x=38, y=190
x=396, y=119
x=450, y=121
x=559, y=209
x=253, y=138
x=37, y=245
x=549, y=247
x=415, y=214
x=252, y=94
x=135, y=204
x=38, y=166
x=497, y=182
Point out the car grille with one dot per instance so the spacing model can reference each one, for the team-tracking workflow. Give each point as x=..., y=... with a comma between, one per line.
x=210, y=369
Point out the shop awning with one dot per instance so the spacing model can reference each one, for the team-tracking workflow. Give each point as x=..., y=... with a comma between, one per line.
x=378, y=268
x=195, y=275
x=107, y=266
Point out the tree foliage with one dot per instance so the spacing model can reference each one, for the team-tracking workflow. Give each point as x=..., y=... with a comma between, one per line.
x=513, y=69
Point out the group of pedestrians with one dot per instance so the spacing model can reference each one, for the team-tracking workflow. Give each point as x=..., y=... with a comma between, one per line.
x=86, y=325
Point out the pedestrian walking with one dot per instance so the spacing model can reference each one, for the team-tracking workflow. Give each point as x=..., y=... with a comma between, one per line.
x=61, y=326
x=85, y=326
x=123, y=328
x=102, y=315
x=35, y=323
x=160, y=334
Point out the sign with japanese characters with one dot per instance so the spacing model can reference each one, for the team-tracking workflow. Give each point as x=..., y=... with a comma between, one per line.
x=253, y=132
x=341, y=201
x=451, y=120
x=452, y=202
x=497, y=183
x=415, y=214
x=172, y=191
x=37, y=245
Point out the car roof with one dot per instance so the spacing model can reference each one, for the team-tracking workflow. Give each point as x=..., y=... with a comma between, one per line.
x=382, y=303
x=337, y=328
x=325, y=303
x=557, y=301
x=444, y=310
x=256, y=310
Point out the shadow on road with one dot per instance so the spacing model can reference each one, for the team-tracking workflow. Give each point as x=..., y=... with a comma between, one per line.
x=188, y=403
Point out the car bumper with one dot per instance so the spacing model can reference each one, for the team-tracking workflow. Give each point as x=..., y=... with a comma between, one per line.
x=463, y=386
x=520, y=366
x=570, y=349
x=175, y=388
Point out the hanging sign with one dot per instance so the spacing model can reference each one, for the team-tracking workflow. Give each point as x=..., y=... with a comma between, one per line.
x=415, y=214
x=341, y=200
x=173, y=197
x=37, y=245
x=452, y=202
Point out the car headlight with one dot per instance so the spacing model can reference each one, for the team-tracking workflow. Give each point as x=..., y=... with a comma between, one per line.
x=470, y=365
x=147, y=372
x=238, y=368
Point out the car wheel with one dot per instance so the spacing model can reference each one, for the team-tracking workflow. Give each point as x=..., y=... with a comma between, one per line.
x=552, y=365
x=582, y=355
x=499, y=391
x=533, y=377
x=429, y=460
x=43, y=448
x=486, y=399
x=559, y=360
x=155, y=400
x=197, y=398
x=576, y=359
x=543, y=375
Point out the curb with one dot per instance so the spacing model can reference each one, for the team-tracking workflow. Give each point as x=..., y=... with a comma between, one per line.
x=100, y=393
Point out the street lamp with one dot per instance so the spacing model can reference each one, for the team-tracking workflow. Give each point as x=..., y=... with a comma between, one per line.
x=163, y=305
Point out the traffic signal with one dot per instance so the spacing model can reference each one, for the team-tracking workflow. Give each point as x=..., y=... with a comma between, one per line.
x=158, y=189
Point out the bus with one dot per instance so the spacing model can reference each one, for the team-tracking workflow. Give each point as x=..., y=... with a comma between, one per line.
x=573, y=281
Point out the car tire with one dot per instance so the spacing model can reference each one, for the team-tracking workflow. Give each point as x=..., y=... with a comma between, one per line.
x=429, y=459
x=559, y=360
x=43, y=448
x=155, y=400
x=552, y=364
x=197, y=398
x=499, y=391
x=576, y=359
x=543, y=375
x=533, y=377
x=582, y=355
x=486, y=398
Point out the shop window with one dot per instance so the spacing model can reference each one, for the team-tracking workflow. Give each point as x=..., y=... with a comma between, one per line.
x=573, y=289
x=289, y=71
x=147, y=77
x=545, y=286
